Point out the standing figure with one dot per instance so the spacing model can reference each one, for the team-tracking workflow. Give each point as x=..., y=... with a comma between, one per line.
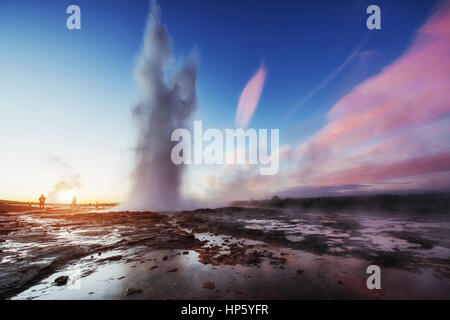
x=42, y=202
x=74, y=202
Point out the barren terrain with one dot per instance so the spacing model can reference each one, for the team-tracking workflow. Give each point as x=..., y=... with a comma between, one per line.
x=225, y=253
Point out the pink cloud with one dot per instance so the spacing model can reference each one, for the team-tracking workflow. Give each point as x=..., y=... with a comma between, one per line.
x=249, y=98
x=376, y=173
x=393, y=127
x=385, y=116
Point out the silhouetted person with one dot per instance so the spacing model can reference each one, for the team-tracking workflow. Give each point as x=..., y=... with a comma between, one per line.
x=42, y=202
x=74, y=202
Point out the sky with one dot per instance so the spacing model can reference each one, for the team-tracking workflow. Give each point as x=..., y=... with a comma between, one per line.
x=358, y=110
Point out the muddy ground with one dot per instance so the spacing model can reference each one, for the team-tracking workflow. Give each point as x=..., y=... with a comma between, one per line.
x=226, y=253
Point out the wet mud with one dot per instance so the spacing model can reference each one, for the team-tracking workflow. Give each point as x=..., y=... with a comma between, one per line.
x=225, y=253
x=34, y=244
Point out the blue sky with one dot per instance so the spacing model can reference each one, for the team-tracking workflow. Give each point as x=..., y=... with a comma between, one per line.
x=67, y=93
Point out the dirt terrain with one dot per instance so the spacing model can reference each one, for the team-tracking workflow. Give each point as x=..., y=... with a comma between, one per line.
x=389, y=240
x=225, y=253
x=34, y=243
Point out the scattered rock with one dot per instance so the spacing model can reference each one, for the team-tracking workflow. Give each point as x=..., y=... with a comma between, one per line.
x=153, y=268
x=113, y=258
x=299, y=272
x=87, y=273
x=131, y=291
x=185, y=252
x=165, y=258
x=209, y=285
x=62, y=280
x=172, y=270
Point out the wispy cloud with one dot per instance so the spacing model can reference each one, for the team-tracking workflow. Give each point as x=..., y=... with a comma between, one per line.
x=406, y=98
x=57, y=161
x=357, y=52
x=249, y=98
x=391, y=128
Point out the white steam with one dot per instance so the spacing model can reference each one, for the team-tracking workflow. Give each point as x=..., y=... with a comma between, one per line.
x=65, y=184
x=164, y=104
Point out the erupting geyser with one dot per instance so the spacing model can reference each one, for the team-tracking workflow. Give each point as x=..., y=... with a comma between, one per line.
x=164, y=103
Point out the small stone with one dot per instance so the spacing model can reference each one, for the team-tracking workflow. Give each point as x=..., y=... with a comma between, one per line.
x=299, y=272
x=172, y=270
x=165, y=258
x=185, y=252
x=209, y=285
x=62, y=280
x=131, y=291
x=113, y=258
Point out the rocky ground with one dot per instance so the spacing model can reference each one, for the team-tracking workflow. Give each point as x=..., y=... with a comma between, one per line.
x=226, y=253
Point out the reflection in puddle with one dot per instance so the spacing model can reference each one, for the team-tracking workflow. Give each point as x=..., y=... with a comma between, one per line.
x=291, y=255
x=386, y=232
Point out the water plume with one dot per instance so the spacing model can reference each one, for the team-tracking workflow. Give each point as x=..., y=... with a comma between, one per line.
x=165, y=102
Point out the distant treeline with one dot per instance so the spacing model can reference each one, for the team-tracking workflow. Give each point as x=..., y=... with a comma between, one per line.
x=424, y=202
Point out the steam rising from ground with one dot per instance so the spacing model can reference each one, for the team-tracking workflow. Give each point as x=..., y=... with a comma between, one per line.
x=67, y=183
x=163, y=105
